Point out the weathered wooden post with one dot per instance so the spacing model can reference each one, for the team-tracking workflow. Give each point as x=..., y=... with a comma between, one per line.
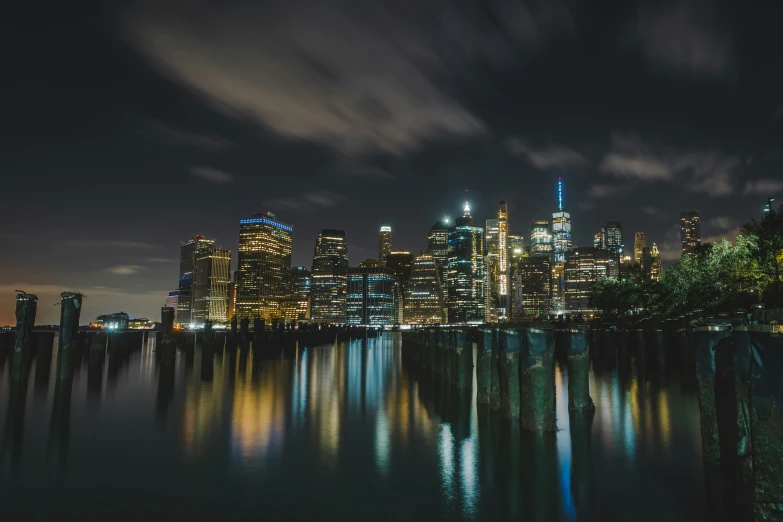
x=484, y=364
x=444, y=349
x=463, y=357
x=579, y=369
x=26, y=307
x=707, y=340
x=509, y=372
x=766, y=416
x=494, y=383
x=70, y=311
x=167, y=347
x=537, y=378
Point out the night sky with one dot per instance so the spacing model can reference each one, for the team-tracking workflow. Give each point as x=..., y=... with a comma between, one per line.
x=130, y=126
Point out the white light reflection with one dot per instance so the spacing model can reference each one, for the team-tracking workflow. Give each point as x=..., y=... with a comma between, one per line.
x=446, y=457
x=382, y=444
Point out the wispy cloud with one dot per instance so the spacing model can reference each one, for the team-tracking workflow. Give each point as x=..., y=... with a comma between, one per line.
x=358, y=169
x=764, y=187
x=706, y=171
x=315, y=200
x=97, y=243
x=172, y=134
x=125, y=269
x=359, y=80
x=546, y=157
x=211, y=174
x=685, y=37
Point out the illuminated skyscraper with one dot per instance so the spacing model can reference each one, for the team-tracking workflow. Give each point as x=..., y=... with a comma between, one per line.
x=424, y=294
x=612, y=238
x=263, y=268
x=438, y=247
x=400, y=264
x=492, y=266
x=656, y=265
x=639, y=244
x=384, y=243
x=210, y=288
x=598, y=239
x=373, y=295
x=690, y=231
x=296, y=306
x=466, y=272
x=532, y=286
x=516, y=250
x=189, y=251
x=561, y=226
x=583, y=267
x=330, y=277
x=540, y=239
x=503, y=256
x=172, y=301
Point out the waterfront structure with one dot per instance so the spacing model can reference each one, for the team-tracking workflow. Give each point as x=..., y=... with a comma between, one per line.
x=330, y=277
x=372, y=296
x=583, y=267
x=532, y=278
x=561, y=226
x=656, y=265
x=210, y=289
x=690, y=231
x=189, y=250
x=639, y=244
x=264, y=263
x=384, y=243
x=424, y=294
x=115, y=321
x=466, y=271
x=540, y=239
x=612, y=239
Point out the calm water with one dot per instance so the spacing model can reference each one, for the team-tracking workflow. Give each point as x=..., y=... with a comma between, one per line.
x=344, y=432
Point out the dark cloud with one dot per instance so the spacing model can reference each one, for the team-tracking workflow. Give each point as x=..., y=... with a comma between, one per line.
x=764, y=187
x=309, y=200
x=172, y=134
x=546, y=157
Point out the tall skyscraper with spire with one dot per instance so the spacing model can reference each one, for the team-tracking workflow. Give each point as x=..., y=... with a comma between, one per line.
x=561, y=226
x=384, y=243
x=466, y=271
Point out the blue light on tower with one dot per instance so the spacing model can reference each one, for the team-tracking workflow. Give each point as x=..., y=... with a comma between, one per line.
x=560, y=193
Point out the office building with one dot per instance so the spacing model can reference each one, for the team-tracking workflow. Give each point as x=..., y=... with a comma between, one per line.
x=264, y=263
x=424, y=294
x=296, y=306
x=598, y=239
x=639, y=244
x=561, y=226
x=540, y=239
x=656, y=265
x=690, y=231
x=384, y=243
x=189, y=250
x=516, y=251
x=210, y=289
x=400, y=263
x=612, y=239
x=532, y=278
x=232, y=296
x=583, y=267
x=438, y=247
x=373, y=295
x=330, y=277
x=172, y=300
x=466, y=271
x=503, y=257
x=492, y=267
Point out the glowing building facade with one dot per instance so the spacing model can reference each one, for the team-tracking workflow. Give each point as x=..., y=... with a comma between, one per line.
x=210, y=289
x=656, y=265
x=264, y=263
x=384, y=243
x=296, y=306
x=189, y=251
x=330, y=277
x=424, y=294
x=373, y=295
x=466, y=271
x=583, y=267
x=690, y=231
x=612, y=239
x=639, y=244
x=532, y=286
x=561, y=226
x=540, y=239
x=438, y=248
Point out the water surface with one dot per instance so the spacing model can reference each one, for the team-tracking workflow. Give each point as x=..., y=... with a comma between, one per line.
x=343, y=432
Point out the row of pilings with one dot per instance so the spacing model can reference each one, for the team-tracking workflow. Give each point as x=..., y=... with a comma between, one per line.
x=514, y=370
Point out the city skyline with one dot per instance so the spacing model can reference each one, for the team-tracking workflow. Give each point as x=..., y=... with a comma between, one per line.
x=641, y=129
